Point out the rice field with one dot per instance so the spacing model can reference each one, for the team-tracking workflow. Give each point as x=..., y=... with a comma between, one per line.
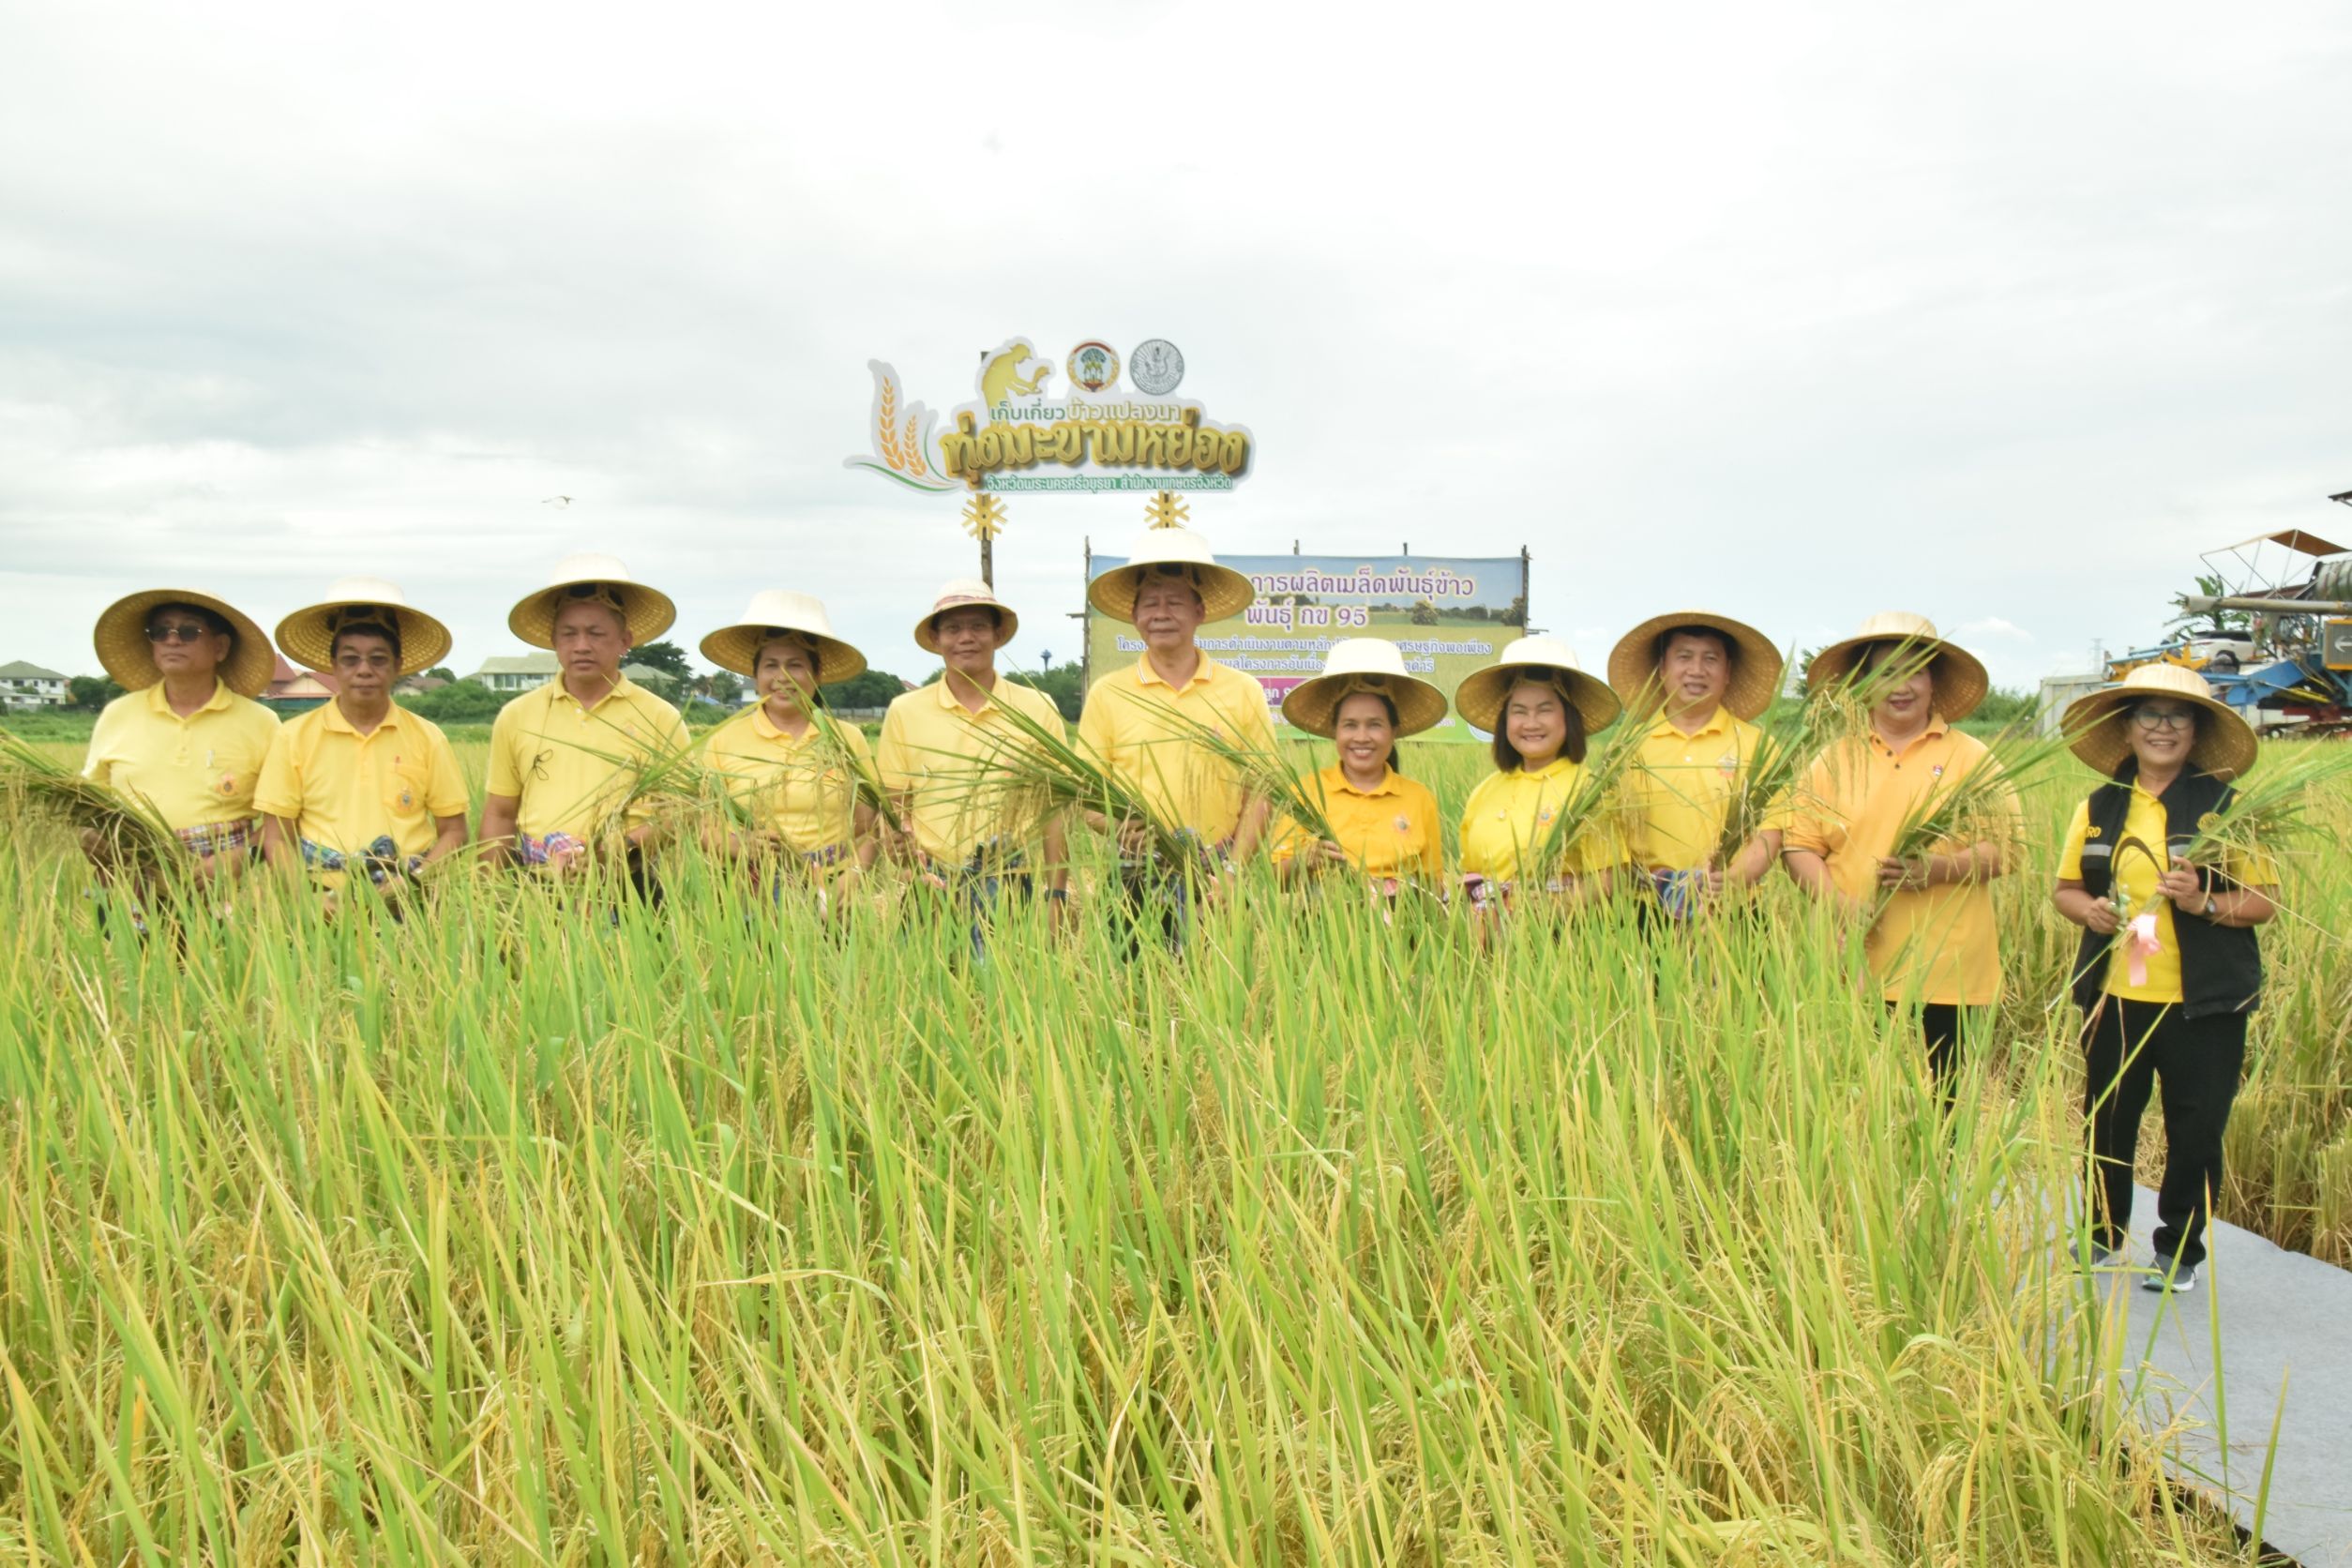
x=716, y=1233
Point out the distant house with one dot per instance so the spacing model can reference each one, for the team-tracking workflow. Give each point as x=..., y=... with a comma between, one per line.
x=523, y=672
x=28, y=685
x=296, y=691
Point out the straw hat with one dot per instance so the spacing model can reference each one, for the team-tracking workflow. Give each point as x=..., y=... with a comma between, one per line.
x=123, y=651
x=1960, y=680
x=1174, y=552
x=1754, y=673
x=773, y=611
x=966, y=593
x=308, y=635
x=602, y=578
x=1371, y=664
x=2096, y=725
x=1480, y=696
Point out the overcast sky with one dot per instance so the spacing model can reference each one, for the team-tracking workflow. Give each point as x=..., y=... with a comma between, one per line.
x=1998, y=313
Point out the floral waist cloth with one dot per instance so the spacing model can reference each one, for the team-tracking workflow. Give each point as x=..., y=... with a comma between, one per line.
x=540, y=852
x=382, y=859
x=1491, y=892
x=220, y=838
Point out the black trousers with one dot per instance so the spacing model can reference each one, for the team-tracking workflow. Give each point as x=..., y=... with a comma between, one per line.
x=1942, y=1024
x=2194, y=1063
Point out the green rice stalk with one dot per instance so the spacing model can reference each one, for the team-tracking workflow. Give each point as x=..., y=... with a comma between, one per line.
x=124, y=826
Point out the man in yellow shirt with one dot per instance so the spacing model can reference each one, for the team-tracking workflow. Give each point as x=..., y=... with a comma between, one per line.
x=1701, y=679
x=943, y=756
x=1933, y=943
x=562, y=756
x=187, y=738
x=360, y=784
x=796, y=774
x=1150, y=723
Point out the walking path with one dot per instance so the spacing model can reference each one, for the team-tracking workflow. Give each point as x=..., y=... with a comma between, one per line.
x=2284, y=1325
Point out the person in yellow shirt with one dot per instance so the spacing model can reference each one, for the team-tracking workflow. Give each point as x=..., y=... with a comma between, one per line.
x=944, y=754
x=796, y=776
x=1383, y=824
x=1152, y=725
x=187, y=737
x=1542, y=709
x=562, y=755
x=360, y=784
x=1698, y=681
x=2169, y=967
x=1933, y=943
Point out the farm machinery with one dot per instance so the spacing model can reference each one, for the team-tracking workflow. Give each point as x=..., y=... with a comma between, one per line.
x=2272, y=630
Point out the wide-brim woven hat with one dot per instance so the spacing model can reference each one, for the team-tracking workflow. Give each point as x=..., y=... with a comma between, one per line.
x=1372, y=664
x=123, y=652
x=1170, y=552
x=1960, y=682
x=2097, y=725
x=1480, y=696
x=307, y=636
x=775, y=612
x=966, y=593
x=647, y=612
x=1756, y=665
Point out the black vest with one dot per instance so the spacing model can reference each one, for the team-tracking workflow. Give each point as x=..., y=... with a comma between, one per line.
x=2220, y=966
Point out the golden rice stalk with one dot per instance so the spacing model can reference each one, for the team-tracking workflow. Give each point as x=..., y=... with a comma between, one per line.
x=2269, y=811
x=1597, y=801
x=125, y=828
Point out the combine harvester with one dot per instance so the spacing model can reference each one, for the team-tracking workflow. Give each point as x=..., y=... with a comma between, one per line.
x=2277, y=638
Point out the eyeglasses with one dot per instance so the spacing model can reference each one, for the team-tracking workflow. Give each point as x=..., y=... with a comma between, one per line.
x=179, y=631
x=2147, y=719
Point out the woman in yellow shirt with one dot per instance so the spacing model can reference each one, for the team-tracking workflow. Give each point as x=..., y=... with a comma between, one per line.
x=1385, y=824
x=2169, y=967
x=1542, y=709
x=796, y=776
x=187, y=738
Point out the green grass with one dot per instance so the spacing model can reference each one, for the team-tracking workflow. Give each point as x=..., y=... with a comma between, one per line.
x=516, y=1234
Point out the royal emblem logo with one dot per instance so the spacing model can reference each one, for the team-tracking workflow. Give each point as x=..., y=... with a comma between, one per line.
x=1155, y=367
x=1093, y=366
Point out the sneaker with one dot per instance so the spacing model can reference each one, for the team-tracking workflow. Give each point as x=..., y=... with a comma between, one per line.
x=2179, y=1282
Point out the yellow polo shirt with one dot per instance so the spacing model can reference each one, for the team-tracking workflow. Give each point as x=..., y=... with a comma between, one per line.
x=343, y=790
x=566, y=763
x=1941, y=942
x=197, y=771
x=2139, y=860
x=1127, y=722
x=803, y=790
x=1387, y=831
x=1679, y=787
x=942, y=752
x=1511, y=813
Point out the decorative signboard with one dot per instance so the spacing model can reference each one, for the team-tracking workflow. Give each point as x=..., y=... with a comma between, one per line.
x=1024, y=432
x=1450, y=615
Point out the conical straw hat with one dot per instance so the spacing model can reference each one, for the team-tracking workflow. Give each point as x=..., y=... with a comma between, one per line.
x=1372, y=664
x=1754, y=669
x=2097, y=726
x=307, y=636
x=647, y=610
x=122, y=642
x=966, y=593
x=1174, y=552
x=1960, y=679
x=1480, y=696
x=775, y=611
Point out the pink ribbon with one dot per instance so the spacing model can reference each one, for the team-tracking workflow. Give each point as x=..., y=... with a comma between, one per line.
x=2139, y=944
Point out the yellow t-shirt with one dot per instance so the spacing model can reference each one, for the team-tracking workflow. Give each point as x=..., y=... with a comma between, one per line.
x=1127, y=722
x=342, y=790
x=1938, y=943
x=1510, y=813
x=943, y=754
x=801, y=790
x=566, y=764
x=2139, y=859
x=1387, y=831
x=1679, y=787
x=196, y=771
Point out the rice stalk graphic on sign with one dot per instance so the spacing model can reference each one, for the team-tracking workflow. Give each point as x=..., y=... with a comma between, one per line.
x=901, y=432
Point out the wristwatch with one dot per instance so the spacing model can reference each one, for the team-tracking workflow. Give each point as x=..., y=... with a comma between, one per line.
x=2210, y=905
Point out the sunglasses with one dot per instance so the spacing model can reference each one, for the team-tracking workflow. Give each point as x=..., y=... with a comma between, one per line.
x=179, y=631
